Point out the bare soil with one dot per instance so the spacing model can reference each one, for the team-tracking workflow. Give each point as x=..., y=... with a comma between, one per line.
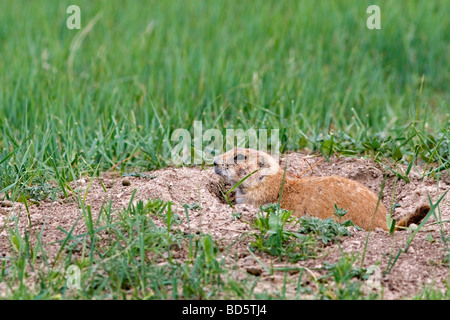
x=424, y=264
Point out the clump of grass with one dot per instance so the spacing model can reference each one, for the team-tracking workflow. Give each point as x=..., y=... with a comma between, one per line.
x=432, y=292
x=342, y=281
x=277, y=233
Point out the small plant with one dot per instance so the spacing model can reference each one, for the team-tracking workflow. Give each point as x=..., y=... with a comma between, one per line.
x=236, y=216
x=39, y=192
x=275, y=239
x=277, y=234
x=326, y=230
x=193, y=206
x=339, y=212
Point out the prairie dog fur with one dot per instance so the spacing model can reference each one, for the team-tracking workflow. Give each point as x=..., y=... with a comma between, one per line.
x=315, y=196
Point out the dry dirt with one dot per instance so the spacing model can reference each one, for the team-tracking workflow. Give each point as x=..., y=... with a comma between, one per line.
x=422, y=265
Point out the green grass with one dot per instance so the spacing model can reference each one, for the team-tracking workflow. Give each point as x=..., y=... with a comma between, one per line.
x=75, y=103
x=134, y=257
x=292, y=238
x=312, y=70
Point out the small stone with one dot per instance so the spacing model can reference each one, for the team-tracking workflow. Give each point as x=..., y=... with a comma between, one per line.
x=254, y=271
x=413, y=226
x=109, y=185
x=126, y=183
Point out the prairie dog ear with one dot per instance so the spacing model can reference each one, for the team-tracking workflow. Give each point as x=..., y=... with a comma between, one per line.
x=268, y=165
x=262, y=162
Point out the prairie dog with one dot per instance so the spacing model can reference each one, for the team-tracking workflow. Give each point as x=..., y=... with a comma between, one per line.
x=315, y=196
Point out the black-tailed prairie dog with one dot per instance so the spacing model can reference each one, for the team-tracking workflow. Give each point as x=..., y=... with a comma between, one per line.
x=315, y=196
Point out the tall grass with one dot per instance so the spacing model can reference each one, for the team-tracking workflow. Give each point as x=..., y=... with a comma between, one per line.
x=88, y=99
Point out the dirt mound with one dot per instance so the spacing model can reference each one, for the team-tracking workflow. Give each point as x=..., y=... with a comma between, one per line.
x=423, y=263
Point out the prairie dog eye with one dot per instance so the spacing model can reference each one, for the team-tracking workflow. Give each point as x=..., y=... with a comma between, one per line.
x=240, y=157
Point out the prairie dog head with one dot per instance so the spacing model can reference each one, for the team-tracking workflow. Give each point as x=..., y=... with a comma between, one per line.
x=236, y=164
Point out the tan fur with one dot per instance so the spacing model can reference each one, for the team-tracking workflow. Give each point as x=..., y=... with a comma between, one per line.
x=315, y=196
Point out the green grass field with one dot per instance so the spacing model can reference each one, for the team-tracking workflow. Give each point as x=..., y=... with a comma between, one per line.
x=75, y=103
